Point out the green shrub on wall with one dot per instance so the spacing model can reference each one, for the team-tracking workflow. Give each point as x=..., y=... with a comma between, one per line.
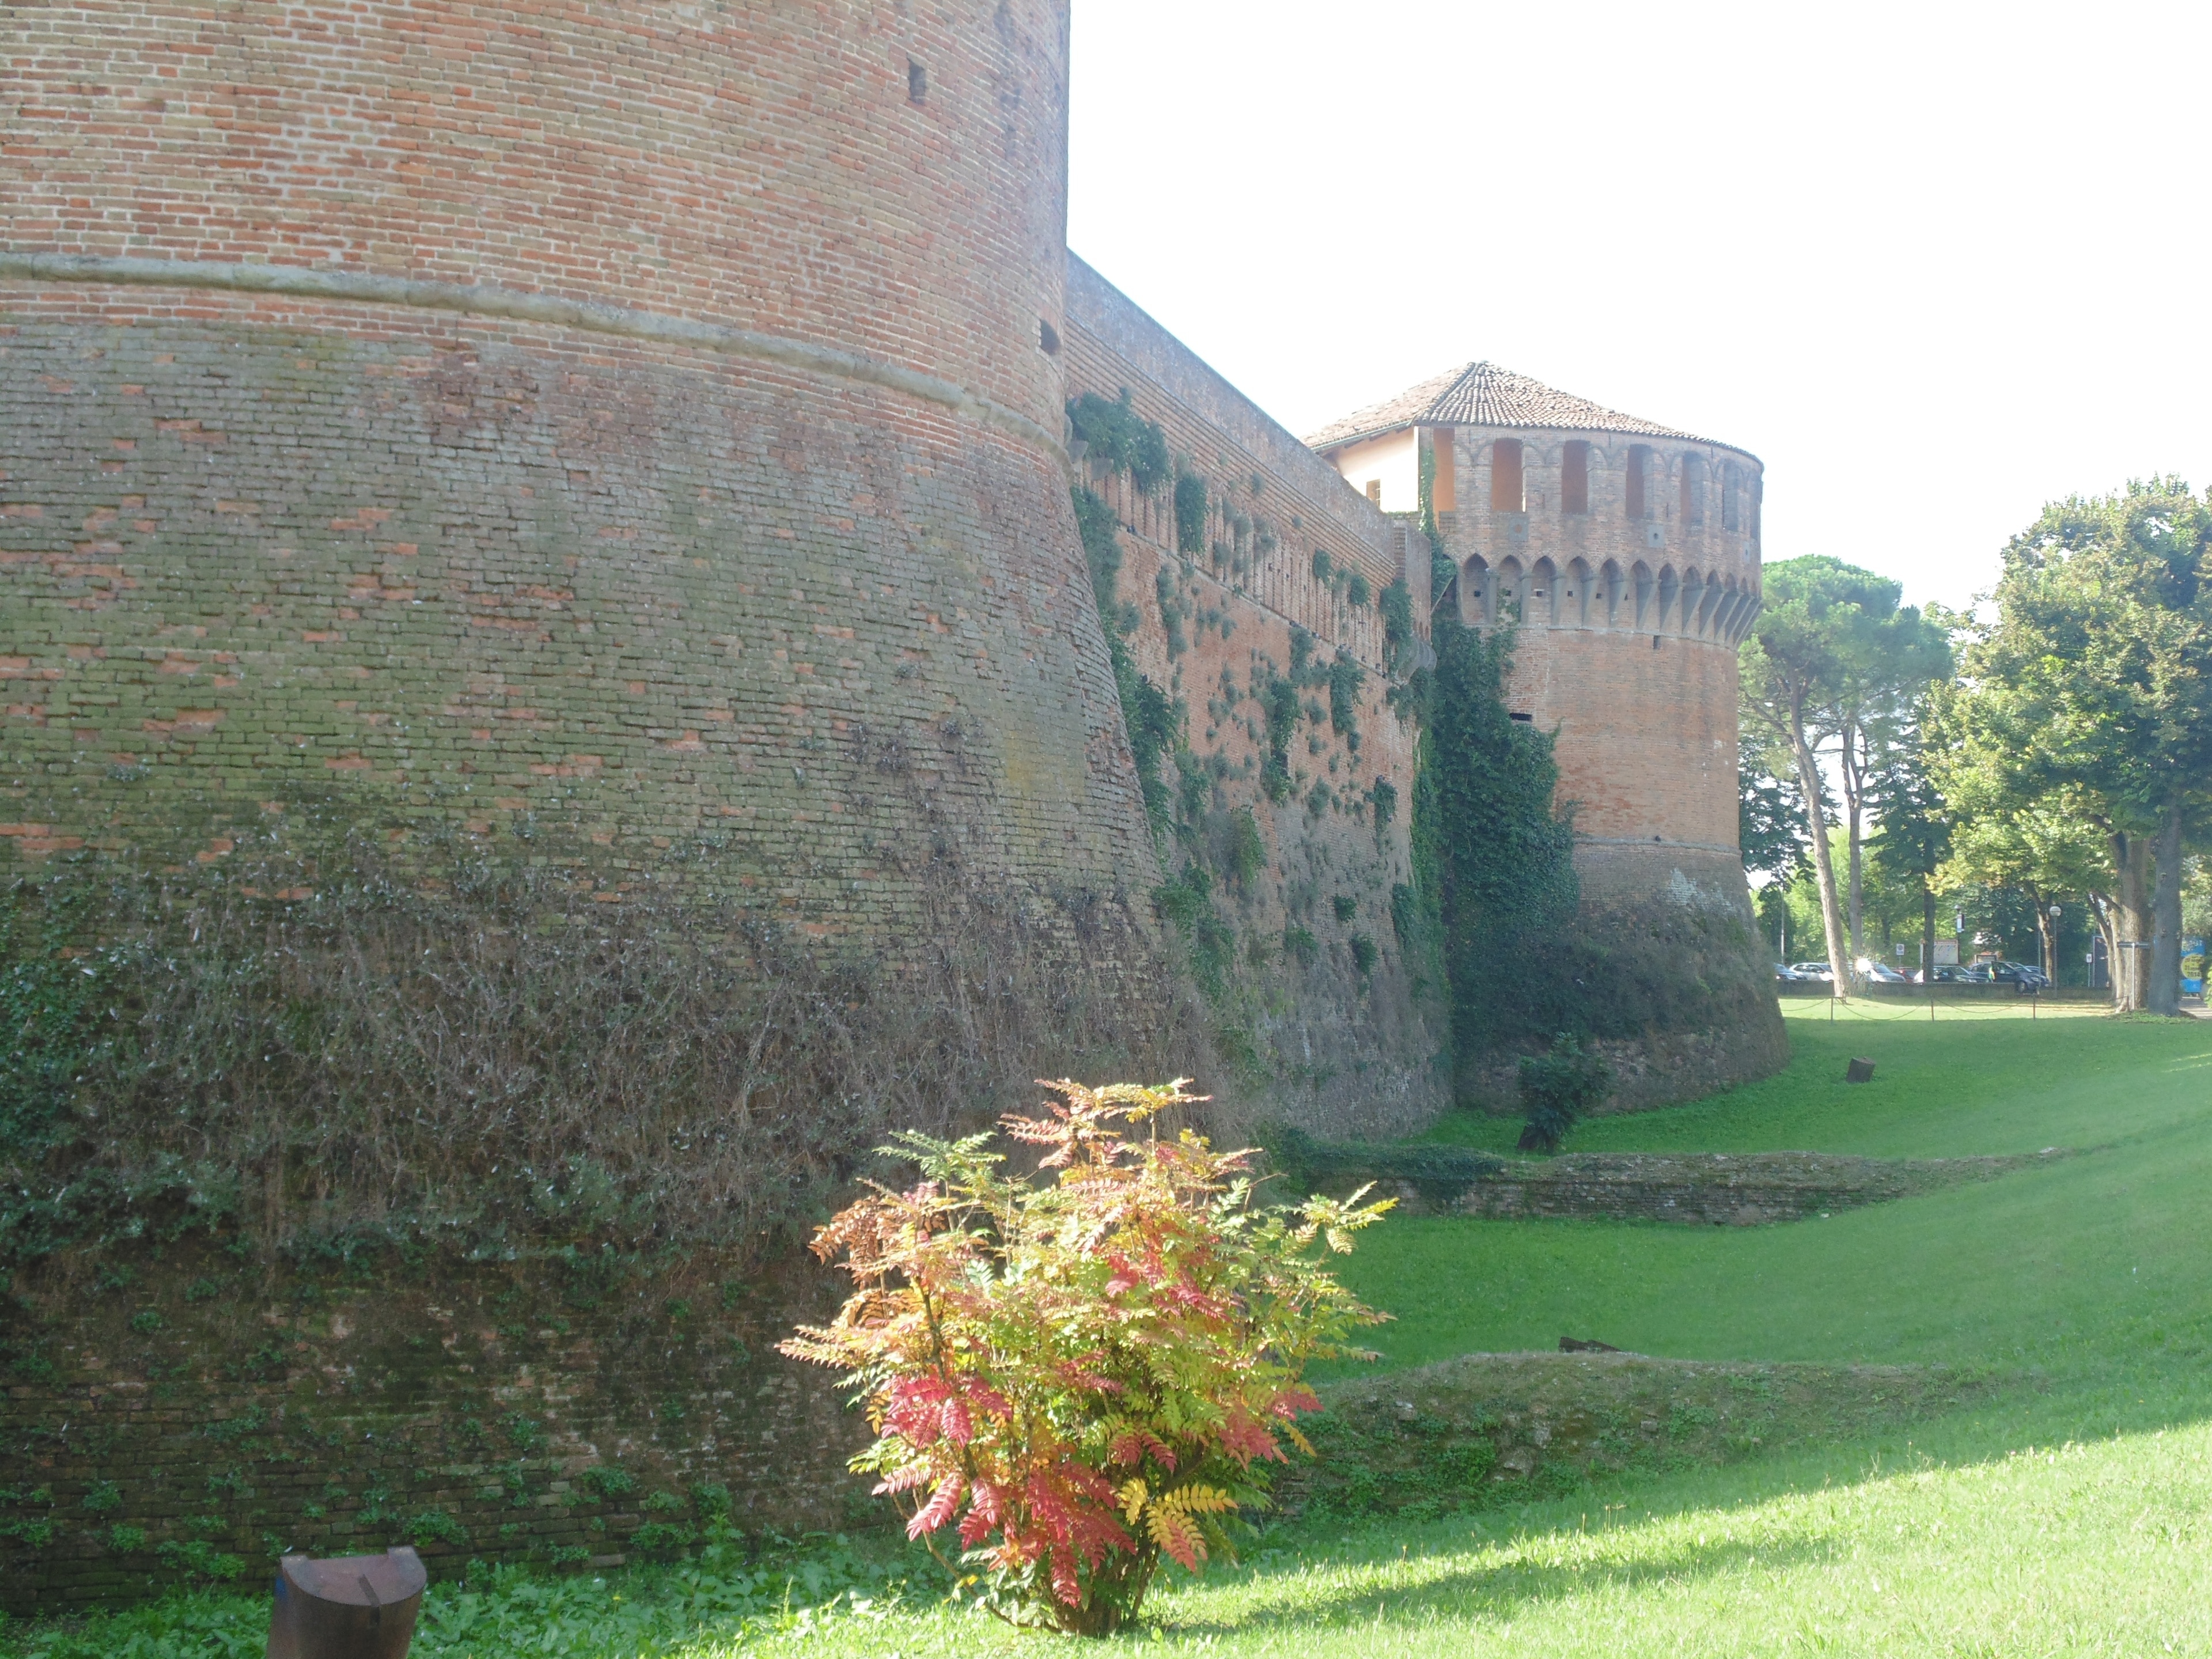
x=1190, y=515
x=1122, y=439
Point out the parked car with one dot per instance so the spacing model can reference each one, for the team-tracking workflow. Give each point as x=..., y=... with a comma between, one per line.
x=2017, y=973
x=1958, y=976
x=1883, y=973
x=1786, y=974
x=1813, y=971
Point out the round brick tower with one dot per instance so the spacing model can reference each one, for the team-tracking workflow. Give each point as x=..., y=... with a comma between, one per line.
x=611, y=435
x=1627, y=556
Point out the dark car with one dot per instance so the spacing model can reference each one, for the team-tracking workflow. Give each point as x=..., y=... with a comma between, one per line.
x=1949, y=974
x=2017, y=973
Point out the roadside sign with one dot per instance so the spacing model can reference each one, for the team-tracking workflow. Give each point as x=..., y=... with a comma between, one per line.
x=2192, y=966
x=1947, y=953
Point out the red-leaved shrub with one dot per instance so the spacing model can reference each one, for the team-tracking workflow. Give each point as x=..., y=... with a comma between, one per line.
x=1090, y=1368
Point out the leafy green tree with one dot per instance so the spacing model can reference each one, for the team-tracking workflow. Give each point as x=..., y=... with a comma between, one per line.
x=2095, y=677
x=1770, y=827
x=1916, y=829
x=2046, y=848
x=1836, y=665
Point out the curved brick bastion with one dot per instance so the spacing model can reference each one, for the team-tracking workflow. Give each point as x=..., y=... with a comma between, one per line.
x=597, y=433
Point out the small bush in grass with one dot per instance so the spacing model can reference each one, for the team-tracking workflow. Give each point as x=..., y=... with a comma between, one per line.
x=1558, y=1090
x=1096, y=1361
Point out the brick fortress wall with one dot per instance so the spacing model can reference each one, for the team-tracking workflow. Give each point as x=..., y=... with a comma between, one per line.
x=194, y=1415
x=653, y=423
x=1345, y=1046
x=618, y=441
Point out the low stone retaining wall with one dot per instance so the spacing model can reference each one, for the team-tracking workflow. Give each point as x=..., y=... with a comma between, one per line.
x=1736, y=1189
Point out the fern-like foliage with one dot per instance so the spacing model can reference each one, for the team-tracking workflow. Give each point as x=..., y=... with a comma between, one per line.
x=1090, y=1369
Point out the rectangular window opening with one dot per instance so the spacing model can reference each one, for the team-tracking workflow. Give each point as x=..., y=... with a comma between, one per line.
x=1574, y=476
x=1506, y=494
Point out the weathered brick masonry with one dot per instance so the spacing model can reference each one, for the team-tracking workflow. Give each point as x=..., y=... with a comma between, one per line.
x=649, y=574
x=623, y=440
x=1625, y=557
x=198, y=1415
x=1215, y=626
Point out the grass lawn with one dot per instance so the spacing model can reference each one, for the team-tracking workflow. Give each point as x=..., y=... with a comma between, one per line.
x=2068, y=1512
x=2060, y=1264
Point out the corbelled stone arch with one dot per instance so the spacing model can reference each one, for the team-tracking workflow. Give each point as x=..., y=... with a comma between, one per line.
x=1477, y=596
x=1577, y=610
x=1708, y=612
x=1609, y=589
x=1724, y=613
x=1692, y=602
x=1670, y=589
x=1511, y=603
x=1641, y=581
x=1543, y=605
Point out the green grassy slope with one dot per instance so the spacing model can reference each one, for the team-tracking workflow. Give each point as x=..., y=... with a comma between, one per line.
x=2053, y=1266
x=1985, y=1079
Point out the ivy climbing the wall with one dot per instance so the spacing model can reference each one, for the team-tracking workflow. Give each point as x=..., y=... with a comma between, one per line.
x=1396, y=604
x=1494, y=888
x=1505, y=856
x=1345, y=677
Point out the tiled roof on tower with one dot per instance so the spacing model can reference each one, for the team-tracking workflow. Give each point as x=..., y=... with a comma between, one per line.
x=1483, y=394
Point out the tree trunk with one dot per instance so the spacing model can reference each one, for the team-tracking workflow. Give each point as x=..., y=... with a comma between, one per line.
x=2131, y=854
x=2100, y=918
x=1927, y=933
x=1824, y=859
x=2163, y=994
x=1853, y=775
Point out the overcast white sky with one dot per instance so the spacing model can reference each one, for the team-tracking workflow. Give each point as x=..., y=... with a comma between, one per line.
x=1934, y=264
